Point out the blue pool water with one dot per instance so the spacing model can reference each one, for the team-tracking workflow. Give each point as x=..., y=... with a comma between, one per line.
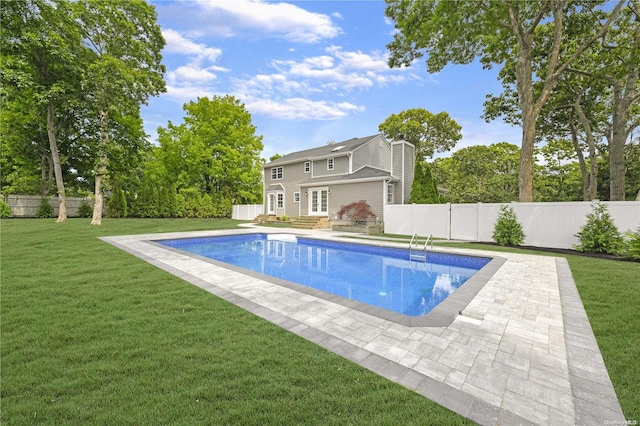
x=379, y=276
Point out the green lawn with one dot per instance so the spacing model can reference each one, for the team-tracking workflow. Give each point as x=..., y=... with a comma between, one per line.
x=93, y=335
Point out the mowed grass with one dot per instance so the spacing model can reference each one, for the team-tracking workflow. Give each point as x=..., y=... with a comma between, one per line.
x=610, y=293
x=93, y=335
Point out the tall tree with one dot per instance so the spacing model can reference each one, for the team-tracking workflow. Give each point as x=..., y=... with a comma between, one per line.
x=41, y=69
x=499, y=33
x=597, y=98
x=428, y=132
x=486, y=174
x=215, y=151
x=123, y=69
x=424, y=189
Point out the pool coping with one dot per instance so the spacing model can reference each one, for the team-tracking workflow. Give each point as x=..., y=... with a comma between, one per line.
x=442, y=315
x=593, y=400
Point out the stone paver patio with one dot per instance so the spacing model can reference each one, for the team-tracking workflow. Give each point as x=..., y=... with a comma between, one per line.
x=521, y=352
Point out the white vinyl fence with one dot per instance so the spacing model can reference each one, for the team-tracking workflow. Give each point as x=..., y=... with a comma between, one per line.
x=551, y=225
x=246, y=211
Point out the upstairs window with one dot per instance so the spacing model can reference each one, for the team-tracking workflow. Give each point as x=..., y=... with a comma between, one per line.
x=276, y=173
x=329, y=163
x=307, y=167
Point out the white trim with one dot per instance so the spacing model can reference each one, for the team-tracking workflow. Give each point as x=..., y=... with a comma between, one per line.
x=319, y=211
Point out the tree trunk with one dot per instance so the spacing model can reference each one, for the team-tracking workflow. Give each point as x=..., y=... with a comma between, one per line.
x=46, y=173
x=57, y=168
x=525, y=98
x=101, y=171
x=591, y=184
x=98, y=201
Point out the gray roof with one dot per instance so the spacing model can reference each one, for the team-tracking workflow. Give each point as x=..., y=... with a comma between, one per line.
x=325, y=150
x=363, y=173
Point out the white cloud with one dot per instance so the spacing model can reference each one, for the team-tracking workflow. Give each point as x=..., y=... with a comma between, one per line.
x=300, y=108
x=186, y=73
x=178, y=44
x=185, y=94
x=292, y=91
x=271, y=19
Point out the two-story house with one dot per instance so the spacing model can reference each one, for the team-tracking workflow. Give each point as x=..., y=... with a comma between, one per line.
x=318, y=181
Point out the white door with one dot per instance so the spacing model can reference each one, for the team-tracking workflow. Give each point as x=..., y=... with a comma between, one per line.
x=271, y=204
x=318, y=202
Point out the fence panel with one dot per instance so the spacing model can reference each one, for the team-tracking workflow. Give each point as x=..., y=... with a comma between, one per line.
x=246, y=211
x=27, y=205
x=423, y=219
x=551, y=225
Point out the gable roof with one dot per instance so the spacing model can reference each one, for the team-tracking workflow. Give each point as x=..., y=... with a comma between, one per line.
x=333, y=149
x=366, y=173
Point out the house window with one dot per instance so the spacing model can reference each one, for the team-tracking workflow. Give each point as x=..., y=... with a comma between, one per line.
x=390, y=191
x=280, y=201
x=276, y=173
x=296, y=197
x=307, y=167
x=329, y=163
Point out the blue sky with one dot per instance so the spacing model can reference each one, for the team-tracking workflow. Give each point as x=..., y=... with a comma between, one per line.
x=309, y=72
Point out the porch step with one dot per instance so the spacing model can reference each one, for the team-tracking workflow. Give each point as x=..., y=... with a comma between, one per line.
x=311, y=222
x=263, y=218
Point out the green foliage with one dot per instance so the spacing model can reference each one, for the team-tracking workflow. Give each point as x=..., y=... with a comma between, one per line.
x=5, y=210
x=45, y=210
x=486, y=174
x=428, y=132
x=117, y=205
x=358, y=210
x=424, y=189
x=284, y=218
x=84, y=209
x=600, y=234
x=180, y=206
x=507, y=230
x=632, y=246
x=215, y=151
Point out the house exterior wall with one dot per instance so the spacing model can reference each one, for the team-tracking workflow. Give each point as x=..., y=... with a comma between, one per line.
x=292, y=175
x=340, y=166
x=402, y=166
x=371, y=192
x=376, y=153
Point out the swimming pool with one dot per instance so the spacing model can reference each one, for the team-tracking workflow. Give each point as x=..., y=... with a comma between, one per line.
x=383, y=277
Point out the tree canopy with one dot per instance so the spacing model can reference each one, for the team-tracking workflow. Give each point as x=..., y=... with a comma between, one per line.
x=216, y=150
x=428, y=132
x=498, y=33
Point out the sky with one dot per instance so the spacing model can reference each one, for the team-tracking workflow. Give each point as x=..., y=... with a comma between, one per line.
x=308, y=72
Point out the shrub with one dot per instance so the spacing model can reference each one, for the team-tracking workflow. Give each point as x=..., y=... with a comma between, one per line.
x=632, y=249
x=507, y=230
x=84, y=209
x=599, y=234
x=5, y=210
x=358, y=210
x=284, y=218
x=117, y=205
x=45, y=209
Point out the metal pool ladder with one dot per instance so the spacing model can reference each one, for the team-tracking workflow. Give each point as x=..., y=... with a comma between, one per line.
x=416, y=253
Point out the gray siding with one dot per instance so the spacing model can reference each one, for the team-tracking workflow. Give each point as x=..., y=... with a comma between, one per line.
x=292, y=175
x=340, y=166
x=376, y=153
x=403, y=160
x=371, y=192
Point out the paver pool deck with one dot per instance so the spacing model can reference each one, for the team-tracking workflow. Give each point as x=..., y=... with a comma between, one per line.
x=521, y=352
